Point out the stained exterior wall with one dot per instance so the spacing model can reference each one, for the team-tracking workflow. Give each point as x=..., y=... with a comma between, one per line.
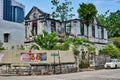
x=15, y=57
x=15, y=31
x=75, y=25
x=75, y=30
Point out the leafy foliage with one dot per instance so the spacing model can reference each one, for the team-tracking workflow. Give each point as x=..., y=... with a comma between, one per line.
x=76, y=51
x=110, y=50
x=116, y=41
x=61, y=46
x=102, y=18
x=84, y=64
x=91, y=49
x=87, y=12
x=62, y=10
x=76, y=42
x=46, y=40
x=112, y=22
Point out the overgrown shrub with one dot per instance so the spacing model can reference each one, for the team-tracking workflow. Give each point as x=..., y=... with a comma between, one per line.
x=110, y=50
x=116, y=41
x=84, y=64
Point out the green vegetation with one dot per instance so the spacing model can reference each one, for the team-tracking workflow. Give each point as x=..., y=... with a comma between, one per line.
x=87, y=12
x=63, y=46
x=84, y=64
x=116, y=41
x=112, y=22
x=50, y=42
x=76, y=42
x=110, y=50
x=62, y=10
x=46, y=40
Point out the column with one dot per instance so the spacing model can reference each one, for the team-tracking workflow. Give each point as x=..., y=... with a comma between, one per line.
x=48, y=26
x=85, y=30
x=40, y=27
x=72, y=28
x=105, y=34
x=96, y=31
x=78, y=31
x=99, y=33
x=90, y=30
x=57, y=27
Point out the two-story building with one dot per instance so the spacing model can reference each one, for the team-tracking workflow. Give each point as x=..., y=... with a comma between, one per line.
x=37, y=20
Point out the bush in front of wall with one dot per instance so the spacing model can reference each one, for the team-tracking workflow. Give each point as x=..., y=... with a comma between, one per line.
x=84, y=64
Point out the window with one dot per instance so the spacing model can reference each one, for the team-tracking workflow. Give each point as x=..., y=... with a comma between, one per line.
x=93, y=30
x=6, y=36
x=68, y=28
x=34, y=28
x=53, y=26
x=102, y=33
x=82, y=28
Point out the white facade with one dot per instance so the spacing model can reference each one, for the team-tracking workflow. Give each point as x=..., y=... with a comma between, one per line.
x=14, y=32
x=1, y=9
x=94, y=33
x=15, y=3
x=85, y=30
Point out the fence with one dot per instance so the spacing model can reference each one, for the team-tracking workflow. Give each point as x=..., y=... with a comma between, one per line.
x=100, y=60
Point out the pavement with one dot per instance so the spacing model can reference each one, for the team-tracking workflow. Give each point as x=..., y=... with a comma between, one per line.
x=105, y=74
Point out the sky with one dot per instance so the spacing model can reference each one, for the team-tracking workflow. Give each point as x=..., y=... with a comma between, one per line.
x=45, y=5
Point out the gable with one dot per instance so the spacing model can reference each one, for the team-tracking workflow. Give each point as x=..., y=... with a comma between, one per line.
x=35, y=13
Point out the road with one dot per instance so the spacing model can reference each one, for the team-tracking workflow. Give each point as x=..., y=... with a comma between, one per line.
x=109, y=74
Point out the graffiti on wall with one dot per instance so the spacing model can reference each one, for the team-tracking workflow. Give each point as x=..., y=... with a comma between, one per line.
x=34, y=57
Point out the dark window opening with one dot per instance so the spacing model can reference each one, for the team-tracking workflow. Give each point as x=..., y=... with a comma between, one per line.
x=53, y=26
x=6, y=36
x=93, y=31
x=102, y=33
x=34, y=28
x=82, y=28
x=68, y=28
x=25, y=32
x=26, y=23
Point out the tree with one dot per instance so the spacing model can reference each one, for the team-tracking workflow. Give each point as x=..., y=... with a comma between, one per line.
x=112, y=22
x=91, y=49
x=46, y=40
x=67, y=41
x=62, y=10
x=110, y=50
x=116, y=41
x=87, y=12
x=102, y=19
